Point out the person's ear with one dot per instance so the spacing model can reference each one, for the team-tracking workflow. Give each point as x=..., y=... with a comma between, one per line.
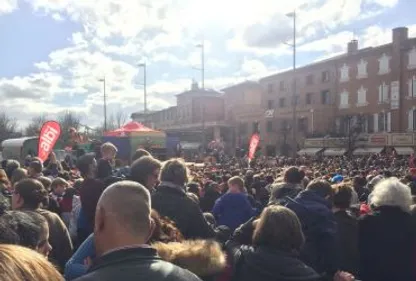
x=152, y=227
x=99, y=220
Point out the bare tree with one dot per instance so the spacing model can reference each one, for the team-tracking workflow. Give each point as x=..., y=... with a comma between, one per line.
x=120, y=118
x=8, y=127
x=33, y=129
x=68, y=120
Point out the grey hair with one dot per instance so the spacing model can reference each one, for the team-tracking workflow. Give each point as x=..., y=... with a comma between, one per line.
x=391, y=192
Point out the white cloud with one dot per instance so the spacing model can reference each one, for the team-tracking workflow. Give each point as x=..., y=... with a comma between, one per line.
x=7, y=6
x=116, y=34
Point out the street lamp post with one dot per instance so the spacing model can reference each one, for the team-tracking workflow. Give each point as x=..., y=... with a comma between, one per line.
x=143, y=65
x=202, y=47
x=294, y=117
x=105, y=104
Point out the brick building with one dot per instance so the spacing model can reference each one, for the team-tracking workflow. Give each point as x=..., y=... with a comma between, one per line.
x=370, y=90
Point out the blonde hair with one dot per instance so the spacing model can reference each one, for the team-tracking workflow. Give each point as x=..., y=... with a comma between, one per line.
x=22, y=264
x=107, y=147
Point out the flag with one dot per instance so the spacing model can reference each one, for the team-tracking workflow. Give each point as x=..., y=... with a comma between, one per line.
x=49, y=134
x=254, y=142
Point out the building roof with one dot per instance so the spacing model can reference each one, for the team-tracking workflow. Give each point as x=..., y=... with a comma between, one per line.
x=202, y=92
x=244, y=83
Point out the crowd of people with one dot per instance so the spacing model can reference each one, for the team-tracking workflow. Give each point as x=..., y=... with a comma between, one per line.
x=292, y=219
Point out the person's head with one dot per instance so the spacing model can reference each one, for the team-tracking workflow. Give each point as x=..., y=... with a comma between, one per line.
x=174, y=171
x=139, y=153
x=165, y=230
x=52, y=158
x=124, y=206
x=193, y=187
x=236, y=184
x=29, y=194
x=18, y=174
x=146, y=171
x=279, y=228
x=342, y=196
x=27, y=229
x=35, y=168
x=391, y=192
x=293, y=175
x=87, y=166
x=11, y=166
x=58, y=186
x=19, y=263
x=359, y=182
x=46, y=182
x=108, y=151
x=321, y=187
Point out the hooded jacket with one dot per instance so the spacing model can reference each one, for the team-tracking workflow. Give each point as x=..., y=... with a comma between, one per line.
x=320, y=229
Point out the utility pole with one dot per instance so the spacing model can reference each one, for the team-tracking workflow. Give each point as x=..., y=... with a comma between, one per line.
x=295, y=101
x=202, y=47
x=105, y=104
x=143, y=65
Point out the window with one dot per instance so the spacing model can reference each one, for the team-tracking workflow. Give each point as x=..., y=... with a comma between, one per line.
x=383, y=93
x=412, y=58
x=325, y=76
x=362, y=97
x=309, y=98
x=309, y=79
x=344, y=99
x=282, y=102
x=303, y=125
x=270, y=104
x=382, y=122
x=270, y=88
x=362, y=69
x=344, y=73
x=282, y=86
x=325, y=98
x=269, y=126
x=412, y=87
x=411, y=119
x=296, y=99
x=384, y=67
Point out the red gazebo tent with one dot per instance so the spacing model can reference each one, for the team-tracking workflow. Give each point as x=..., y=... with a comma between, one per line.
x=128, y=129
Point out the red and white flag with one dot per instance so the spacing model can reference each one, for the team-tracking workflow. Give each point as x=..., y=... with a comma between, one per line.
x=254, y=142
x=49, y=134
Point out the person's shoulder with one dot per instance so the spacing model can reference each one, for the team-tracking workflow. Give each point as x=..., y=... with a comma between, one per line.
x=177, y=273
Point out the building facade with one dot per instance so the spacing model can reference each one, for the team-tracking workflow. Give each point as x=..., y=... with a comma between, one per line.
x=364, y=91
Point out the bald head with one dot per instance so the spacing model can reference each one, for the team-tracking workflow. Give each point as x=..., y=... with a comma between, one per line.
x=126, y=204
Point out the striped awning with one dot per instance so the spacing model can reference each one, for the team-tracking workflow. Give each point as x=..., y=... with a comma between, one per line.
x=404, y=150
x=309, y=151
x=334, y=152
x=367, y=150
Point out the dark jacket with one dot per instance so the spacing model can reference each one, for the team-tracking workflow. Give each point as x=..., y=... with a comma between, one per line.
x=59, y=239
x=263, y=263
x=320, y=230
x=280, y=192
x=135, y=264
x=173, y=203
x=232, y=210
x=386, y=244
x=347, y=240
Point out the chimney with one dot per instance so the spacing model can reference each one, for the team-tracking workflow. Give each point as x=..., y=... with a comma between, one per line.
x=352, y=47
x=194, y=85
x=400, y=34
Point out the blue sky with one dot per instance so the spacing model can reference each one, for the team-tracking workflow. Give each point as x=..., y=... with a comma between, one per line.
x=54, y=51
